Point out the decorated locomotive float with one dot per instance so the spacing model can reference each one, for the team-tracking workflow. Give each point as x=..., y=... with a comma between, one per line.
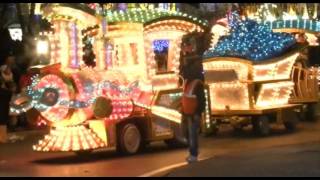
x=132, y=96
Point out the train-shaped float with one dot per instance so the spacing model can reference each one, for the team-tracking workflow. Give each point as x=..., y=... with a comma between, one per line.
x=132, y=96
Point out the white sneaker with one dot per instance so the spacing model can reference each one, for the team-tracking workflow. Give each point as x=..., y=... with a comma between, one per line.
x=192, y=159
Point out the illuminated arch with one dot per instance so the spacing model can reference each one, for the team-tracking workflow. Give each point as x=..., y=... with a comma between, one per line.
x=170, y=29
x=172, y=24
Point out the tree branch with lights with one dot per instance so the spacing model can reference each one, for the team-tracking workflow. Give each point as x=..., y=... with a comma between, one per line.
x=250, y=40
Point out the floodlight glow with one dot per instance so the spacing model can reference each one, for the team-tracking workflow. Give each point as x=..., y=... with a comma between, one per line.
x=42, y=47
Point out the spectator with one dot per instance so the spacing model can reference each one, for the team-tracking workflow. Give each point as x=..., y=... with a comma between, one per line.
x=5, y=96
x=7, y=74
x=9, y=85
x=89, y=57
x=24, y=82
x=192, y=73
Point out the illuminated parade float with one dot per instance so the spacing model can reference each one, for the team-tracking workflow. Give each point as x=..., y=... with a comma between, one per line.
x=298, y=19
x=130, y=98
x=132, y=95
x=264, y=80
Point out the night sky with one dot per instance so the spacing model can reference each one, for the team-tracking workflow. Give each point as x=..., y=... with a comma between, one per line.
x=197, y=5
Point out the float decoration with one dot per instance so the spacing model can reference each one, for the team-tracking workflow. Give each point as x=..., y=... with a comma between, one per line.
x=251, y=40
x=253, y=71
x=288, y=17
x=86, y=106
x=146, y=15
x=74, y=138
x=282, y=12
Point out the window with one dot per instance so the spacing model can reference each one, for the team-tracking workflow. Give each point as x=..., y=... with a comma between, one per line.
x=134, y=53
x=161, y=51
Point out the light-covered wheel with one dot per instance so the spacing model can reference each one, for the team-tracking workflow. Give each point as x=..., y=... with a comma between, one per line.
x=261, y=125
x=130, y=139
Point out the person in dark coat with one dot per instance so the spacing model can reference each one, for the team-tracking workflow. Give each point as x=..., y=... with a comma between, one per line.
x=5, y=96
x=8, y=84
x=192, y=72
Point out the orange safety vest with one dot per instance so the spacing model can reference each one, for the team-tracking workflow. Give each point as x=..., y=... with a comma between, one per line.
x=189, y=100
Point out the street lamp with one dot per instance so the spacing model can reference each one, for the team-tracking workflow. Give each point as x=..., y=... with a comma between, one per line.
x=42, y=47
x=42, y=50
x=15, y=32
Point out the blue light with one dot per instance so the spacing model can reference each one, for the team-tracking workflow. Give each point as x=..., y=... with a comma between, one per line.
x=160, y=45
x=251, y=40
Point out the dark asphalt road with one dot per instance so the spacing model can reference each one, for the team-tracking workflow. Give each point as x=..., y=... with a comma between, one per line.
x=289, y=161
x=18, y=159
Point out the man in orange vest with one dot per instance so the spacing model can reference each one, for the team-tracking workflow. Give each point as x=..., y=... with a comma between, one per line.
x=193, y=101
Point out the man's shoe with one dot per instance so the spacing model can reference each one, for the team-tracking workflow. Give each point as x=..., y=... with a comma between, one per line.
x=192, y=159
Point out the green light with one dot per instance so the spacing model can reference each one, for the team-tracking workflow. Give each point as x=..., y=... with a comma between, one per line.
x=146, y=15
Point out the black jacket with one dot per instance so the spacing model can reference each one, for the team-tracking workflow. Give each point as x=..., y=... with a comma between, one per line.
x=5, y=97
x=192, y=71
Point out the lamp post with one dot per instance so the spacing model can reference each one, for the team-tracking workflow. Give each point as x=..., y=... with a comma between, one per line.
x=42, y=50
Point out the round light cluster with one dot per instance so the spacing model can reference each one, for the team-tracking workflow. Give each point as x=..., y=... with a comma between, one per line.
x=55, y=112
x=122, y=108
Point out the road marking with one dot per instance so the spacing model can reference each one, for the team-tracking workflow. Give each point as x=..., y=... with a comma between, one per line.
x=157, y=171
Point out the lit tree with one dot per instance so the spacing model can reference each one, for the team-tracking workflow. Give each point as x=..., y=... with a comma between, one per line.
x=250, y=40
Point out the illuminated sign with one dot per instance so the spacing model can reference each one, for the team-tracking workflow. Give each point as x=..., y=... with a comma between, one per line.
x=15, y=32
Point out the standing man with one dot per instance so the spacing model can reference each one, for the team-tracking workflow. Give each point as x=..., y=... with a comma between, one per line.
x=7, y=76
x=6, y=88
x=193, y=101
x=5, y=97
